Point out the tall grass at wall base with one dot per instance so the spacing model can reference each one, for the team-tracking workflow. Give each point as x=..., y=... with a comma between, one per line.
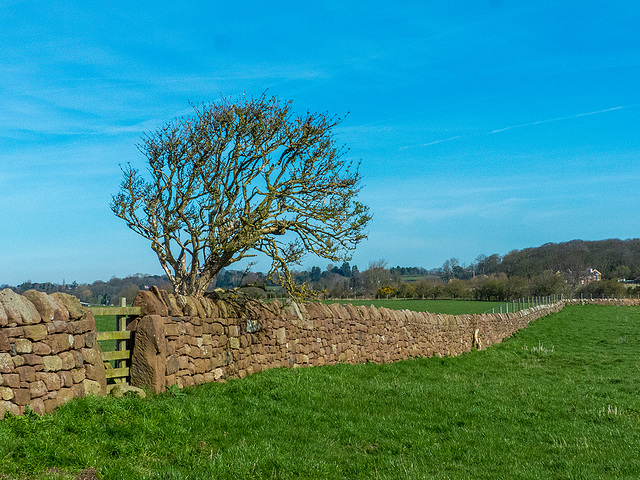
x=558, y=400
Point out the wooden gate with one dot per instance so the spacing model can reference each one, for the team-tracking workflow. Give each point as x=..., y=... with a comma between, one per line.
x=115, y=344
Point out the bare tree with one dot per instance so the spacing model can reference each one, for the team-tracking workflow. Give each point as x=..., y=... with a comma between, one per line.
x=239, y=178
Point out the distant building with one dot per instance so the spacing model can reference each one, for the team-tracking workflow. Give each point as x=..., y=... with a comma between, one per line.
x=591, y=275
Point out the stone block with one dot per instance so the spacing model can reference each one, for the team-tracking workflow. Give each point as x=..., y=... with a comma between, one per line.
x=234, y=343
x=52, y=363
x=280, y=335
x=51, y=380
x=22, y=345
x=38, y=389
x=22, y=396
x=6, y=393
x=60, y=342
x=91, y=355
x=41, y=348
x=31, y=359
x=151, y=303
x=18, y=309
x=11, y=380
x=91, y=387
x=69, y=303
x=26, y=373
x=68, y=360
x=45, y=305
x=78, y=375
x=148, y=363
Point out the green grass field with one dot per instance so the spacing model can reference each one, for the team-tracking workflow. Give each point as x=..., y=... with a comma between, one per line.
x=452, y=307
x=558, y=400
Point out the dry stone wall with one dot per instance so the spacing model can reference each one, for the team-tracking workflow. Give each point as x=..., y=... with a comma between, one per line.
x=185, y=341
x=48, y=352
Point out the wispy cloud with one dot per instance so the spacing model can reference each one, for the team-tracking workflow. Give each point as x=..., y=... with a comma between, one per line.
x=428, y=144
x=549, y=120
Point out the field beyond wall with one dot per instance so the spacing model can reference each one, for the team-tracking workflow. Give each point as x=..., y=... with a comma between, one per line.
x=557, y=400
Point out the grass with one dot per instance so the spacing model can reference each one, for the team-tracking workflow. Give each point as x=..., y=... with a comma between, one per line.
x=451, y=307
x=558, y=400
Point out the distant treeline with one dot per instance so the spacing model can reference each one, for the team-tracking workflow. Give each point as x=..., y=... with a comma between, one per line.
x=560, y=268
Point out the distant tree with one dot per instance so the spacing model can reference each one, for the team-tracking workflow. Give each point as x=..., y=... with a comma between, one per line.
x=238, y=179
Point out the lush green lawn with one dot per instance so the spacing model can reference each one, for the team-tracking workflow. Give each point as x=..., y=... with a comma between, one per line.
x=452, y=307
x=558, y=400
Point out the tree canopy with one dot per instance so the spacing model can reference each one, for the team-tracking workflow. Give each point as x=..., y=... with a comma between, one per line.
x=238, y=178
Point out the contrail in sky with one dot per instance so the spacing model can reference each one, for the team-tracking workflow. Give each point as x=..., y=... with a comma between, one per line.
x=556, y=119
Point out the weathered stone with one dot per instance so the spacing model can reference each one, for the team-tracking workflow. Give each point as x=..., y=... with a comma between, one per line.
x=148, y=362
x=151, y=303
x=6, y=393
x=23, y=346
x=52, y=363
x=91, y=355
x=60, y=342
x=78, y=375
x=38, y=389
x=4, y=319
x=172, y=365
x=46, y=306
x=6, y=406
x=69, y=303
x=121, y=389
x=41, y=348
x=21, y=396
x=172, y=305
x=31, y=359
x=19, y=310
x=234, y=342
x=68, y=360
x=50, y=379
x=91, y=387
x=37, y=406
x=6, y=363
x=190, y=309
x=36, y=332
x=18, y=360
x=280, y=335
x=5, y=346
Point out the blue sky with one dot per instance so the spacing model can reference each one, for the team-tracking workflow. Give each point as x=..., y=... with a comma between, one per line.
x=482, y=126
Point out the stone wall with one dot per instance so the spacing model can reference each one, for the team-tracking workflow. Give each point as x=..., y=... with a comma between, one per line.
x=184, y=341
x=48, y=352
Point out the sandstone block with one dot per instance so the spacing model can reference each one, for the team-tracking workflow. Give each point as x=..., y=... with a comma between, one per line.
x=22, y=396
x=234, y=343
x=148, y=363
x=6, y=393
x=38, y=389
x=11, y=380
x=150, y=303
x=18, y=309
x=91, y=387
x=121, y=389
x=23, y=345
x=52, y=363
x=46, y=306
x=68, y=360
x=91, y=355
x=41, y=348
x=26, y=373
x=280, y=335
x=69, y=303
x=78, y=375
x=31, y=359
x=60, y=342
x=51, y=380
x=6, y=406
